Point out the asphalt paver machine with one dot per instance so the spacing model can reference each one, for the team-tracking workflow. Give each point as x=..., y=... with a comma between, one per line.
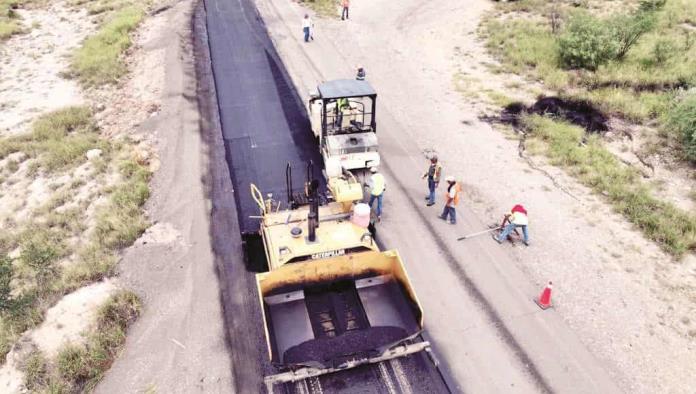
x=331, y=299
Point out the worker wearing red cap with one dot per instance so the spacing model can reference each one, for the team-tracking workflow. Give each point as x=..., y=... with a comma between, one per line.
x=517, y=218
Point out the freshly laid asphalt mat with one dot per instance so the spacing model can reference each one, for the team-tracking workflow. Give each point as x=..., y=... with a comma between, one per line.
x=264, y=127
x=264, y=122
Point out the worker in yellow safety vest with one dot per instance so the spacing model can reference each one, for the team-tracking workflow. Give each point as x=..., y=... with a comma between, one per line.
x=451, y=200
x=433, y=175
x=342, y=106
x=377, y=185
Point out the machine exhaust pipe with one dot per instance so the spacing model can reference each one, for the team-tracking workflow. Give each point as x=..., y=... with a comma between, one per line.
x=313, y=216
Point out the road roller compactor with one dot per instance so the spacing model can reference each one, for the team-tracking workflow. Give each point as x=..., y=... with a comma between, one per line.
x=343, y=118
x=331, y=299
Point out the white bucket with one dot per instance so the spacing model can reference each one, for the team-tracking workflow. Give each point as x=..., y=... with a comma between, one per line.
x=361, y=215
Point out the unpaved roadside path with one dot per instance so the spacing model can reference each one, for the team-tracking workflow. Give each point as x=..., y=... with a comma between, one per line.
x=178, y=344
x=625, y=299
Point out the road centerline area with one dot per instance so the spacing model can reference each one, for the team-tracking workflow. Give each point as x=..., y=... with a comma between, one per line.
x=502, y=351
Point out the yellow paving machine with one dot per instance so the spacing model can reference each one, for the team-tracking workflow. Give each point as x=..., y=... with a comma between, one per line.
x=331, y=299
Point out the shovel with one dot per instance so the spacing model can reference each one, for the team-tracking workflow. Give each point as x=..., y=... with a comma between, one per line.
x=478, y=233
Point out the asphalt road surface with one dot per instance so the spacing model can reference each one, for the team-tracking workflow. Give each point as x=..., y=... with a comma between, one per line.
x=262, y=126
x=478, y=309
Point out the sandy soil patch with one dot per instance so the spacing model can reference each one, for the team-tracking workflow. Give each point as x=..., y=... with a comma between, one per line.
x=30, y=72
x=71, y=317
x=11, y=377
x=160, y=233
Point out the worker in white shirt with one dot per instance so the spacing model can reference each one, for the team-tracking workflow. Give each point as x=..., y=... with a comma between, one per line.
x=307, y=27
x=377, y=185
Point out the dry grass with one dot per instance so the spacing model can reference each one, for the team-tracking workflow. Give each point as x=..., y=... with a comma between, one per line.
x=674, y=230
x=78, y=368
x=10, y=23
x=99, y=61
x=327, y=8
x=37, y=279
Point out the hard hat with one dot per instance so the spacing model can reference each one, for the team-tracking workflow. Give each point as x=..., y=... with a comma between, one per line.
x=373, y=169
x=449, y=179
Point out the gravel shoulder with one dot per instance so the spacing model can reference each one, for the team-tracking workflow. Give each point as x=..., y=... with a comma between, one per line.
x=178, y=344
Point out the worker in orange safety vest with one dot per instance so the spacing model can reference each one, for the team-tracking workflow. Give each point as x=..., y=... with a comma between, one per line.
x=451, y=200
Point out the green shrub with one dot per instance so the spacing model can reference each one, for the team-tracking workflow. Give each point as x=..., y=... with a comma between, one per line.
x=627, y=29
x=587, y=42
x=663, y=50
x=682, y=119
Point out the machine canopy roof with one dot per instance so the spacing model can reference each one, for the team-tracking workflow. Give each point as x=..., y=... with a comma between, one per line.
x=345, y=88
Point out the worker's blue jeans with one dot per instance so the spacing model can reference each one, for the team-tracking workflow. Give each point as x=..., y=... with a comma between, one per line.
x=510, y=228
x=451, y=211
x=379, y=203
x=306, y=33
x=431, y=189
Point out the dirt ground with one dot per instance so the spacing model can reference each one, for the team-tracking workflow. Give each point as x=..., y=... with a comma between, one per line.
x=631, y=304
x=32, y=83
x=30, y=70
x=178, y=344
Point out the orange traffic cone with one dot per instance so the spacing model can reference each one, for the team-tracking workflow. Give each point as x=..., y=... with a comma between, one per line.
x=544, y=300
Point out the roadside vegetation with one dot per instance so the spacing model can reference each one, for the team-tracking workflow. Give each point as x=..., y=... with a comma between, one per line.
x=89, y=207
x=80, y=367
x=586, y=158
x=99, y=60
x=634, y=60
x=325, y=8
x=10, y=21
x=57, y=250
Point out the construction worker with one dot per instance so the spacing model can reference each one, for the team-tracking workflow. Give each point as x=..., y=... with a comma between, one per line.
x=360, y=76
x=344, y=12
x=342, y=106
x=517, y=218
x=377, y=186
x=306, y=27
x=451, y=200
x=433, y=175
